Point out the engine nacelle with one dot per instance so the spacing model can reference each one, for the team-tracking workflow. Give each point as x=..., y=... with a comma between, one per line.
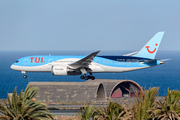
x=59, y=70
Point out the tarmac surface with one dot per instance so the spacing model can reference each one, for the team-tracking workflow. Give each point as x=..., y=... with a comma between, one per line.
x=70, y=106
x=63, y=112
x=71, y=110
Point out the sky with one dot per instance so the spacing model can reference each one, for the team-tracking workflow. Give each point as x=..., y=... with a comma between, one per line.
x=88, y=24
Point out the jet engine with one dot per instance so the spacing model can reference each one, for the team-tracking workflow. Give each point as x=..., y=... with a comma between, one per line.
x=59, y=70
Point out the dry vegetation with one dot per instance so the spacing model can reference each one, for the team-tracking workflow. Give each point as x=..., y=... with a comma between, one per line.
x=144, y=106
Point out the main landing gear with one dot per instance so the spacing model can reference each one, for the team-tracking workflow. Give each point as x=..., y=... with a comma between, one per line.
x=87, y=77
x=24, y=72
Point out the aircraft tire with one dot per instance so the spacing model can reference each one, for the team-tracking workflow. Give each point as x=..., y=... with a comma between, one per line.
x=24, y=76
x=82, y=77
x=86, y=78
x=92, y=78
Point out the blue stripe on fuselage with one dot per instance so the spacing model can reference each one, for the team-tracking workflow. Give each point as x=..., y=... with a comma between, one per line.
x=117, y=58
x=121, y=61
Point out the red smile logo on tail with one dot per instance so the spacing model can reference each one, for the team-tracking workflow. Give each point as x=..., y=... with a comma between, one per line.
x=153, y=50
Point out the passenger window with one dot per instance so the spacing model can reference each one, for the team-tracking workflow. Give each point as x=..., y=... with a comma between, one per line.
x=128, y=62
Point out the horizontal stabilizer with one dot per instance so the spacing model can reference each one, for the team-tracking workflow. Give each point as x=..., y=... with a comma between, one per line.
x=165, y=60
x=150, y=61
x=155, y=61
x=130, y=54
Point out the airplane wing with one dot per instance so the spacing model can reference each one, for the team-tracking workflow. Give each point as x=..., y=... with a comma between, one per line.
x=83, y=63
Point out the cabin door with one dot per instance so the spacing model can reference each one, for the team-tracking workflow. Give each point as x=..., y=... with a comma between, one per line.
x=25, y=61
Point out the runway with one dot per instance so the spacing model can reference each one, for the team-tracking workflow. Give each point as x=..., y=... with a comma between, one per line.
x=63, y=112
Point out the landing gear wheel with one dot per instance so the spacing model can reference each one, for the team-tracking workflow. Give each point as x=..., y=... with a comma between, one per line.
x=24, y=76
x=86, y=78
x=82, y=77
x=92, y=78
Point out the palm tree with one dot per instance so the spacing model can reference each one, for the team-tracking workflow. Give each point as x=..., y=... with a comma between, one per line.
x=4, y=117
x=86, y=113
x=125, y=114
x=142, y=103
x=113, y=111
x=168, y=108
x=22, y=107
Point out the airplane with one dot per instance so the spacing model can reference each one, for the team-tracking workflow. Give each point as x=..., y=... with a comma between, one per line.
x=92, y=63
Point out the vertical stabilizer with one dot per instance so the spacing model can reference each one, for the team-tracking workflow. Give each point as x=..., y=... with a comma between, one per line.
x=151, y=47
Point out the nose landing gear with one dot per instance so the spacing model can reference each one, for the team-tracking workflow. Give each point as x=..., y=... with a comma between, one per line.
x=25, y=76
x=24, y=72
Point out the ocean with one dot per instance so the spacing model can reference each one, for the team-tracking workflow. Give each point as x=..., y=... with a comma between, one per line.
x=163, y=76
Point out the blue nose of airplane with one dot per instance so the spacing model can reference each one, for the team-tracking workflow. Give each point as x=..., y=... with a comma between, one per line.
x=14, y=66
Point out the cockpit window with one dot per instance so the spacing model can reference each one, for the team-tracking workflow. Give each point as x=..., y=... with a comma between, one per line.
x=17, y=61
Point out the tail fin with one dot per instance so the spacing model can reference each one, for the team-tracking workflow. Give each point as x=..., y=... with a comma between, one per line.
x=151, y=47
